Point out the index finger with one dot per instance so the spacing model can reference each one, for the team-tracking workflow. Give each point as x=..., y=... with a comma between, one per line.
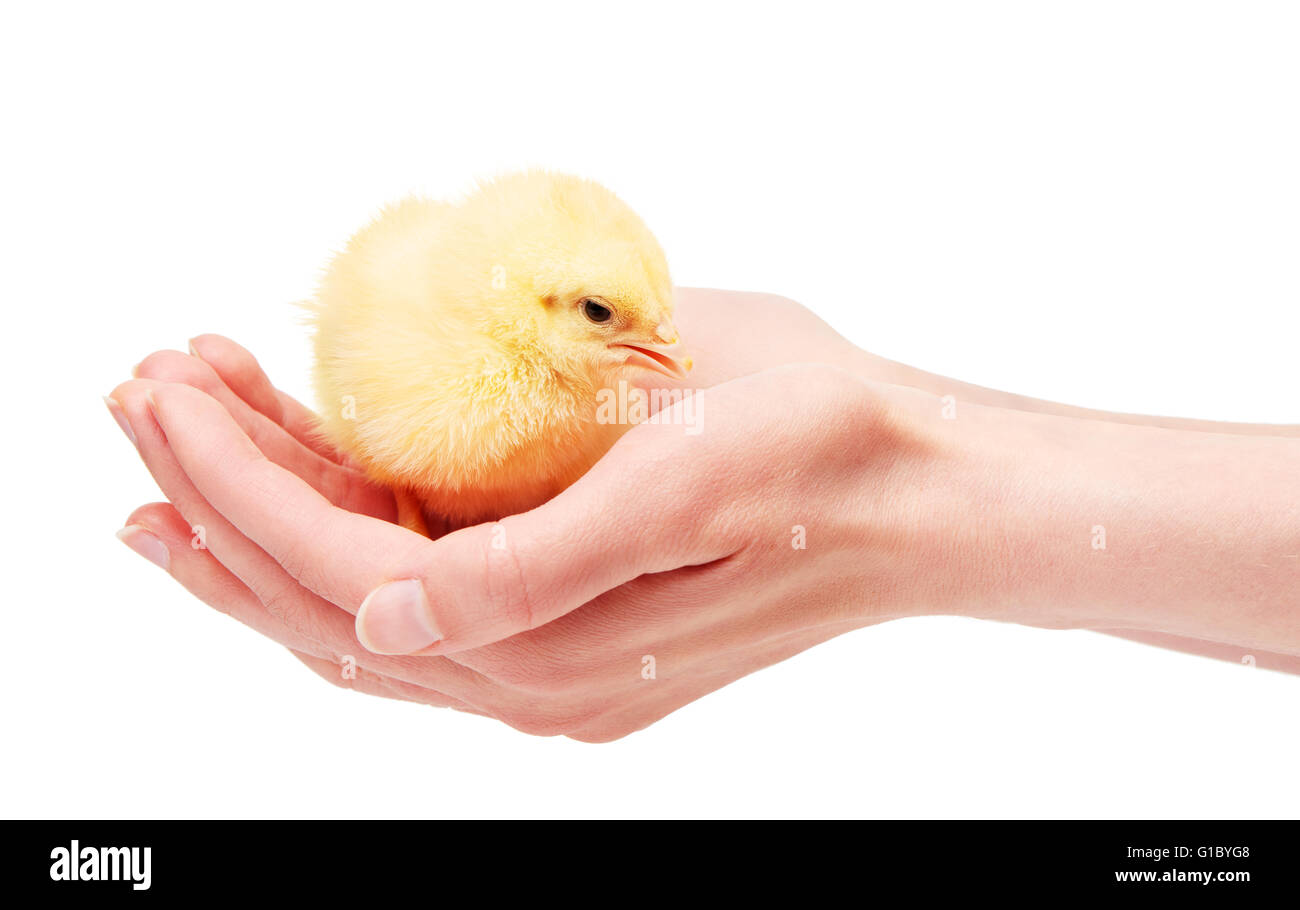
x=244, y=376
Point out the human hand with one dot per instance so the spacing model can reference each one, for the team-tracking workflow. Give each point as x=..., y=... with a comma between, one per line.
x=906, y=513
x=734, y=333
x=674, y=567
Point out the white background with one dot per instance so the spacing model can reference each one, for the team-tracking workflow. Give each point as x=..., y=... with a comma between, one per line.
x=1092, y=202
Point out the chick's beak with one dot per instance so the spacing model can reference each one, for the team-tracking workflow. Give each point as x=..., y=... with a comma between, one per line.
x=660, y=354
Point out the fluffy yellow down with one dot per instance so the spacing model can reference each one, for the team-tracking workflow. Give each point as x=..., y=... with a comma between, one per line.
x=443, y=364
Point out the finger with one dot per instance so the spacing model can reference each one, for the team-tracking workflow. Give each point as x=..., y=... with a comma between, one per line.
x=685, y=620
x=244, y=376
x=240, y=371
x=158, y=532
x=241, y=556
x=679, y=617
x=323, y=547
x=344, y=486
x=357, y=679
x=473, y=586
x=333, y=674
x=306, y=614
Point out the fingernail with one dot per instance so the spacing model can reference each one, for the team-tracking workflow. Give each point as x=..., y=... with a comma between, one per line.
x=120, y=416
x=395, y=619
x=143, y=541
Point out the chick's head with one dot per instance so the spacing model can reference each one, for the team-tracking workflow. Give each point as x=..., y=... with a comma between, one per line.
x=584, y=284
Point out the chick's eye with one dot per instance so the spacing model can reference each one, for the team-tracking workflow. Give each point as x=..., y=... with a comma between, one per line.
x=596, y=311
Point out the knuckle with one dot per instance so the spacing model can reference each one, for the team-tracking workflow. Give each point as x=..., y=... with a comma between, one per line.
x=337, y=486
x=279, y=600
x=296, y=558
x=286, y=603
x=505, y=582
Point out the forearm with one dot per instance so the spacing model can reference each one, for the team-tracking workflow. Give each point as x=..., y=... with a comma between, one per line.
x=877, y=368
x=1090, y=524
x=873, y=366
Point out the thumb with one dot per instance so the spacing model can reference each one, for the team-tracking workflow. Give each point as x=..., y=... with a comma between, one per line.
x=631, y=514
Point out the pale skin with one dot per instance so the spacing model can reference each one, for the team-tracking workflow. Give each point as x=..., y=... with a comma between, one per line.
x=826, y=490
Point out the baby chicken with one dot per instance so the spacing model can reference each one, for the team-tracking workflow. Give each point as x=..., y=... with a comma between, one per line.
x=460, y=347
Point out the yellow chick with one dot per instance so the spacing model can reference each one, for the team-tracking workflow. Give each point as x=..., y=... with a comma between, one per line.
x=460, y=347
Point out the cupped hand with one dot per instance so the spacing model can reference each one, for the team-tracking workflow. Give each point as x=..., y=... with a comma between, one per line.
x=745, y=525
